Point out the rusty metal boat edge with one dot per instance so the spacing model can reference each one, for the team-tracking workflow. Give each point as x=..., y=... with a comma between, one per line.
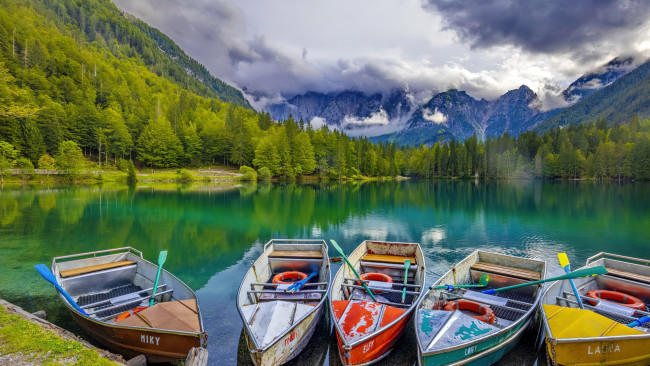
x=289, y=343
x=158, y=345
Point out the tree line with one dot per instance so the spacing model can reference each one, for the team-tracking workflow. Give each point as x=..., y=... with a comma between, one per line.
x=62, y=93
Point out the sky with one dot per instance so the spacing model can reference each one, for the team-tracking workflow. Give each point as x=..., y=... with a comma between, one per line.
x=274, y=50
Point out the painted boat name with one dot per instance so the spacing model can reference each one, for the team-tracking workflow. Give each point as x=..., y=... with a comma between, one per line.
x=149, y=339
x=368, y=346
x=604, y=349
x=291, y=338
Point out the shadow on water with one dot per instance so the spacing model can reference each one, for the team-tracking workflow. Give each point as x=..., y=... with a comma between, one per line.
x=213, y=233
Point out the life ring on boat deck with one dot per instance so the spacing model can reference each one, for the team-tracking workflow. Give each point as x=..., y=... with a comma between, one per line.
x=487, y=315
x=130, y=312
x=376, y=277
x=293, y=276
x=623, y=299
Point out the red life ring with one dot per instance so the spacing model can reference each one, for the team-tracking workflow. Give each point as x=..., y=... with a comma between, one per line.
x=376, y=277
x=623, y=299
x=487, y=315
x=128, y=313
x=292, y=275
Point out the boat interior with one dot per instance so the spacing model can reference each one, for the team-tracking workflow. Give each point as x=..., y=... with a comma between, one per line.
x=106, y=284
x=501, y=271
x=269, y=306
x=625, y=275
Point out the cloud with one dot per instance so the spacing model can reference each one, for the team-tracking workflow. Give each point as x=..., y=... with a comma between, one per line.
x=547, y=26
x=379, y=117
x=318, y=122
x=435, y=117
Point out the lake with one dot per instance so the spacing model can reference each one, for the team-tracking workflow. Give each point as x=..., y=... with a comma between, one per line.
x=214, y=232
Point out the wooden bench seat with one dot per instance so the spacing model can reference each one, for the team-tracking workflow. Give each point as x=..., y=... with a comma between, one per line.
x=385, y=258
x=95, y=268
x=506, y=271
x=628, y=275
x=308, y=254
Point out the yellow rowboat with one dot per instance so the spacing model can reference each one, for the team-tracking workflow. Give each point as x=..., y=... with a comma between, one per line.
x=598, y=334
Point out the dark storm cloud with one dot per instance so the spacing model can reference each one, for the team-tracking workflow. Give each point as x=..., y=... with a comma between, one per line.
x=544, y=26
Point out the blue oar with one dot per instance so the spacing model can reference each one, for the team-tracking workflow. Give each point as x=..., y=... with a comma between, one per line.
x=638, y=322
x=564, y=262
x=298, y=285
x=161, y=260
x=47, y=275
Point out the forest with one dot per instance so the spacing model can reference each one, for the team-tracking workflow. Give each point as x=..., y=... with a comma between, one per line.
x=95, y=89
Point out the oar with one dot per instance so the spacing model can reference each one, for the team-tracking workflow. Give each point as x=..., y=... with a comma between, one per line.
x=338, y=249
x=407, y=264
x=45, y=273
x=638, y=322
x=585, y=272
x=298, y=285
x=564, y=263
x=161, y=260
x=482, y=282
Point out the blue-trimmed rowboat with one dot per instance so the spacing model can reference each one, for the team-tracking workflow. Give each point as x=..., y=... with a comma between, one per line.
x=462, y=337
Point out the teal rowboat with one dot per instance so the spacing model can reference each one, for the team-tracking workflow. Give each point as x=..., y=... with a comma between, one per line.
x=487, y=326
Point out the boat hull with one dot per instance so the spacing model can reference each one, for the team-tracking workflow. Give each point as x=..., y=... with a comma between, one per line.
x=599, y=352
x=157, y=345
x=287, y=347
x=487, y=352
x=375, y=348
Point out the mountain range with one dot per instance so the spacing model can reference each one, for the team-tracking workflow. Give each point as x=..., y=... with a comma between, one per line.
x=455, y=114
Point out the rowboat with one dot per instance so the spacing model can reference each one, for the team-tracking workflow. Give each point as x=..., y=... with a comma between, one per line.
x=366, y=330
x=456, y=324
x=598, y=335
x=278, y=322
x=107, y=283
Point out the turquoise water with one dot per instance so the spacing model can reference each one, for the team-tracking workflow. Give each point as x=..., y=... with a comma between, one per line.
x=214, y=233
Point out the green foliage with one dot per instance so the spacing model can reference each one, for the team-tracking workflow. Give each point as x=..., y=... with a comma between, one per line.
x=70, y=159
x=248, y=173
x=184, y=175
x=159, y=146
x=46, y=162
x=130, y=173
x=264, y=174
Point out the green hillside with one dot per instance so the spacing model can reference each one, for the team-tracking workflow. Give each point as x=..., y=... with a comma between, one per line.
x=616, y=103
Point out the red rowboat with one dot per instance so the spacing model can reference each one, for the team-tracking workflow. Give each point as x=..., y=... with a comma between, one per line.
x=366, y=330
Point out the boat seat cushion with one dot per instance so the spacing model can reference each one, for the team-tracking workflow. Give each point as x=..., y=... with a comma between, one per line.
x=506, y=271
x=385, y=258
x=628, y=275
x=98, y=267
x=311, y=254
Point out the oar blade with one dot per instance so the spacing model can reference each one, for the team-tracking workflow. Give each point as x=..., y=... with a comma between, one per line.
x=564, y=260
x=484, y=280
x=46, y=273
x=162, y=257
x=345, y=258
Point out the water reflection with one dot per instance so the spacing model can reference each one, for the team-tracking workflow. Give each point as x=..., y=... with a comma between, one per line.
x=213, y=233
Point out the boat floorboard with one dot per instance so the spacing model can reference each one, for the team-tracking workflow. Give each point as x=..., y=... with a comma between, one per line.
x=112, y=293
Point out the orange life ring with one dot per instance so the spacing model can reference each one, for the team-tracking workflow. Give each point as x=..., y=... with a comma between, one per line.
x=487, y=315
x=292, y=275
x=376, y=277
x=128, y=313
x=623, y=299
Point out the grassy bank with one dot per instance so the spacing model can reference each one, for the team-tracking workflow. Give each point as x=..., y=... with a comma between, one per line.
x=22, y=340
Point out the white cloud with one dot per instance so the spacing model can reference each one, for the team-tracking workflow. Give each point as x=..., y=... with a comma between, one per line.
x=318, y=122
x=376, y=118
x=435, y=117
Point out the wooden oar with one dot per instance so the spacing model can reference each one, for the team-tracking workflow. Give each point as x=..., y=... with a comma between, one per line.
x=407, y=264
x=47, y=275
x=338, y=249
x=564, y=263
x=296, y=286
x=482, y=282
x=161, y=260
x=585, y=272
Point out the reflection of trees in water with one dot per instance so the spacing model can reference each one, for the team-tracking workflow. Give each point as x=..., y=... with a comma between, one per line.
x=208, y=230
